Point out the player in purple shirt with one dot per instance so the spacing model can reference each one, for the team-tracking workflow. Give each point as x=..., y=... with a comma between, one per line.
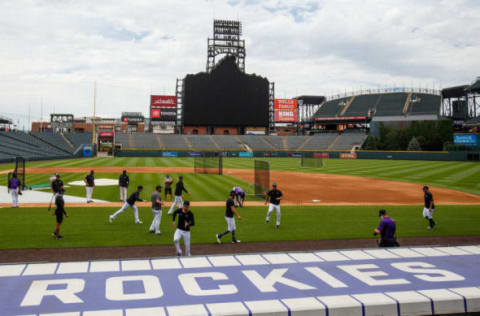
x=387, y=230
x=239, y=196
x=15, y=189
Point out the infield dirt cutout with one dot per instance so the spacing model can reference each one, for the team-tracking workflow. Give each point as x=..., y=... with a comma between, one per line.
x=302, y=188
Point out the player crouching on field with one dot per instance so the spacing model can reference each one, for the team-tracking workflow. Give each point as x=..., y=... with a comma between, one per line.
x=229, y=213
x=387, y=230
x=59, y=212
x=135, y=196
x=185, y=221
x=239, y=196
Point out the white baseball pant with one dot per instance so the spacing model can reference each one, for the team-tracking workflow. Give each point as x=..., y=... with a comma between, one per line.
x=124, y=207
x=14, y=193
x=186, y=239
x=157, y=219
x=271, y=208
x=178, y=200
x=427, y=213
x=230, y=223
x=123, y=194
x=89, y=193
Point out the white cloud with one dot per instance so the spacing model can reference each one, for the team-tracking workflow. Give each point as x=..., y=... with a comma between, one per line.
x=55, y=50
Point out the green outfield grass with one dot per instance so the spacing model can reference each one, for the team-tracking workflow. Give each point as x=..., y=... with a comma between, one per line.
x=461, y=176
x=203, y=187
x=89, y=227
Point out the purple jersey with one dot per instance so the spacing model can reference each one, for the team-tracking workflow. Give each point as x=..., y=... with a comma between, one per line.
x=387, y=228
x=13, y=183
x=238, y=190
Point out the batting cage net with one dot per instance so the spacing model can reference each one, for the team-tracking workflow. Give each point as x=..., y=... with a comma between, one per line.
x=20, y=170
x=209, y=163
x=311, y=162
x=262, y=177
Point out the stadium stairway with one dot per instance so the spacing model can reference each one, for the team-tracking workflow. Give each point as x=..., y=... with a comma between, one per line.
x=187, y=140
x=51, y=144
x=303, y=143
x=130, y=140
x=407, y=104
x=67, y=141
x=345, y=108
x=213, y=141
x=335, y=140
x=159, y=141
x=285, y=143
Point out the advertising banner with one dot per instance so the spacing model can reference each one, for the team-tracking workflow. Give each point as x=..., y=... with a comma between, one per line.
x=348, y=156
x=163, y=101
x=465, y=139
x=321, y=155
x=295, y=155
x=105, y=134
x=245, y=154
x=194, y=154
x=169, y=154
x=163, y=107
x=87, y=150
x=286, y=110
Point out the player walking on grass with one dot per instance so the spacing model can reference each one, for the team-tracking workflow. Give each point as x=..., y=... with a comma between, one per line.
x=134, y=197
x=274, y=196
x=59, y=212
x=229, y=217
x=56, y=184
x=157, y=210
x=429, y=207
x=89, y=185
x=185, y=221
x=179, y=189
x=387, y=230
x=123, y=182
x=15, y=189
x=168, y=187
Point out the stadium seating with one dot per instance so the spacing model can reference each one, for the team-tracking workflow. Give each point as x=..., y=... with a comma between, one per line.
x=347, y=140
x=174, y=142
x=424, y=104
x=78, y=139
x=55, y=140
x=295, y=142
x=361, y=104
x=228, y=142
x=29, y=147
x=319, y=141
x=201, y=142
x=391, y=104
x=331, y=108
x=255, y=142
x=275, y=141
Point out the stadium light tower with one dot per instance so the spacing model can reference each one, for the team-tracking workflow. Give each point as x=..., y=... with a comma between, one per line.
x=226, y=40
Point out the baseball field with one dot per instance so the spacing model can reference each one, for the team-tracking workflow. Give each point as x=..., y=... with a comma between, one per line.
x=321, y=206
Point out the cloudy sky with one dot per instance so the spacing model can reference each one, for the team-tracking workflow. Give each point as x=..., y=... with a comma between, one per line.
x=52, y=51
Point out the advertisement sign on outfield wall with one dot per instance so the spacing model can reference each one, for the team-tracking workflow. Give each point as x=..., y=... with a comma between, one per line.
x=286, y=110
x=169, y=154
x=466, y=139
x=245, y=154
x=321, y=155
x=348, y=156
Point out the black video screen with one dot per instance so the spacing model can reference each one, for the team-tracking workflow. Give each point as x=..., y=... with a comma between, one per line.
x=225, y=97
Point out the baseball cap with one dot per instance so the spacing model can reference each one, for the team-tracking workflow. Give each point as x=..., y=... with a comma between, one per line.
x=186, y=203
x=382, y=212
x=274, y=184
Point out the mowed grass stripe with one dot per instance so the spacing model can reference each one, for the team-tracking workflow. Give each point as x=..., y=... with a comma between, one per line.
x=28, y=228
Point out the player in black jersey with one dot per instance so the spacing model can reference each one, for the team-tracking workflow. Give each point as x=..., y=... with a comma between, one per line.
x=229, y=217
x=134, y=197
x=185, y=221
x=59, y=212
x=429, y=207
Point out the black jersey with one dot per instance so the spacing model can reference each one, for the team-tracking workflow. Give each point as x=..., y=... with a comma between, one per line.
x=184, y=218
x=123, y=180
x=60, y=205
x=179, y=188
x=90, y=180
x=229, y=204
x=135, y=196
x=57, y=184
x=429, y=199
x=274, y=195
